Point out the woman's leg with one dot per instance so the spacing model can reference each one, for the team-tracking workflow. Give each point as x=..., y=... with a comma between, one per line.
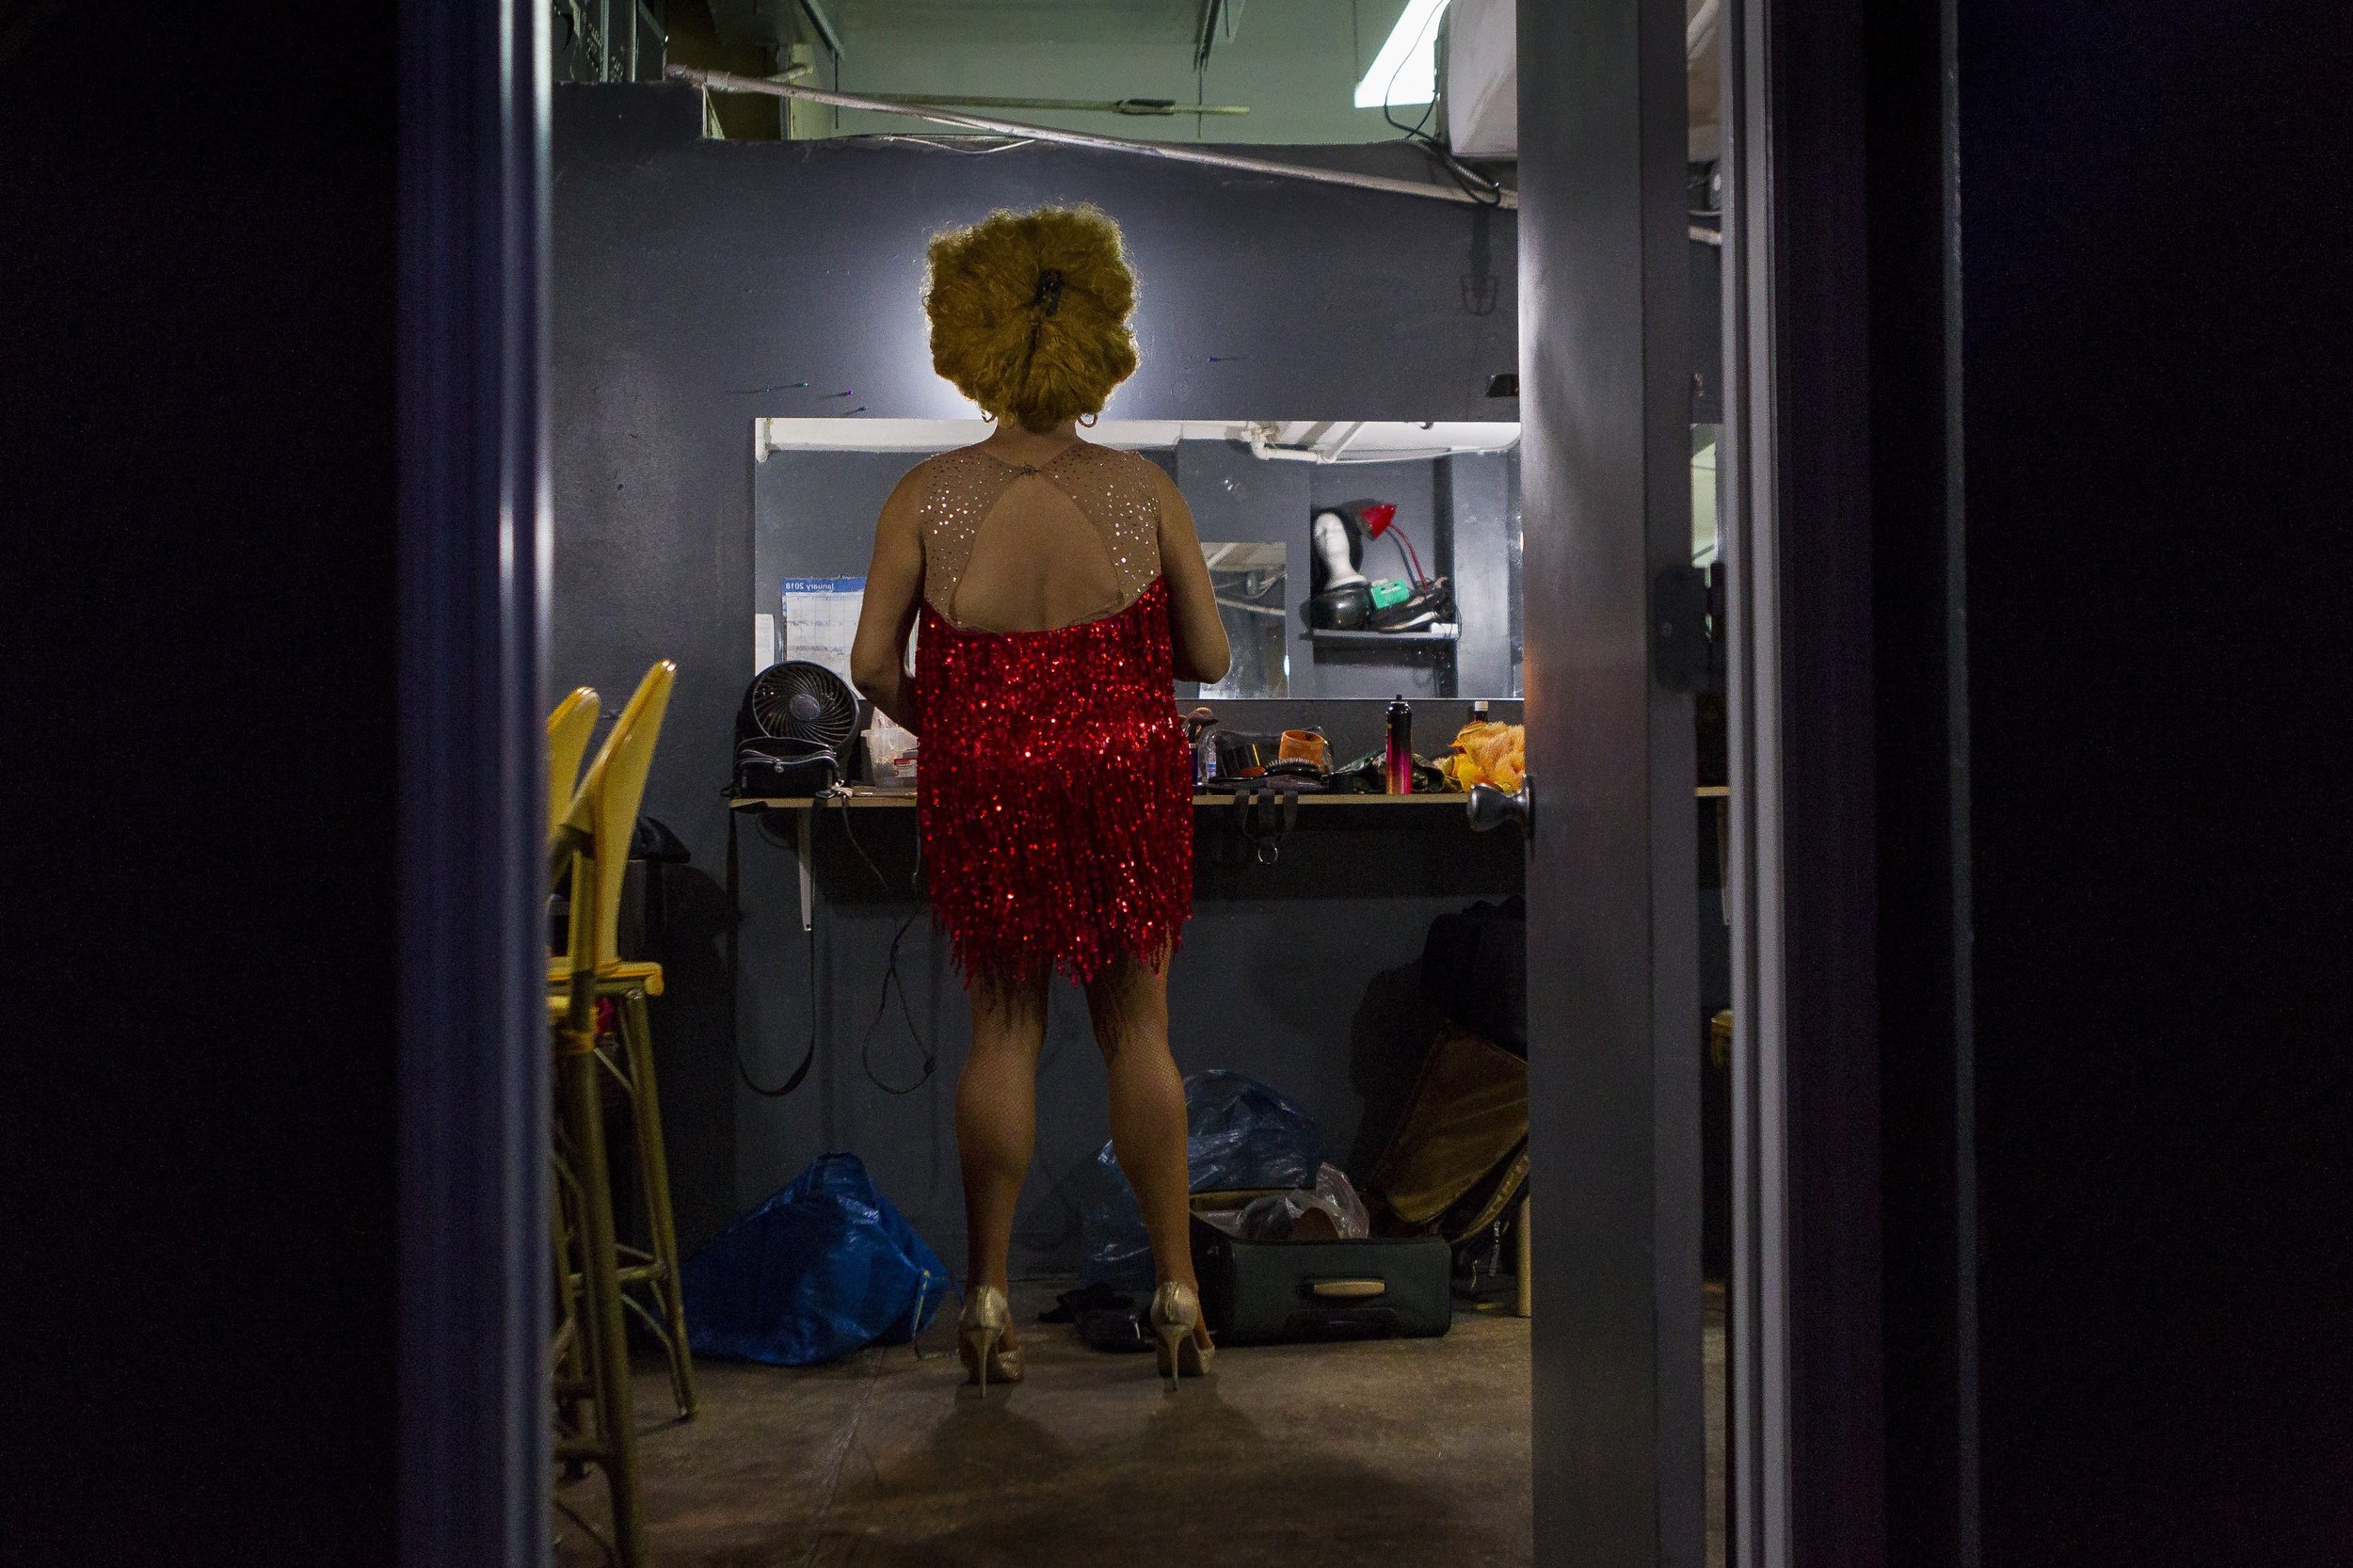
x=997, y=1121
x=1129, y=1004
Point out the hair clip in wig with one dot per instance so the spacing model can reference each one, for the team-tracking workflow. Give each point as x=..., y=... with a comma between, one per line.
x=1048, y=291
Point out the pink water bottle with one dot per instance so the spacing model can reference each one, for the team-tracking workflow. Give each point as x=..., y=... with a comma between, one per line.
x=1398, y=760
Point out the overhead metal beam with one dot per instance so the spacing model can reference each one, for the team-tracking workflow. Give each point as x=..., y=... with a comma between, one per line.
x=1206, y=33
x=818, y=20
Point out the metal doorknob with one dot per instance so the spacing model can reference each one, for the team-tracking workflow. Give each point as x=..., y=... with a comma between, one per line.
x=1489, y=806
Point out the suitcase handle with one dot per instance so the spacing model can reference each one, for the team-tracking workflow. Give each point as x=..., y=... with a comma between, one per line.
x=1348, y=1288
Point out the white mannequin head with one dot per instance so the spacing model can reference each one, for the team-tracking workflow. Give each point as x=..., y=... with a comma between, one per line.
x=1329, y=536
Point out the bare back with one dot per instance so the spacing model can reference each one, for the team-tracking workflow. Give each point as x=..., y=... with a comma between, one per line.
x=1019, y=547
x=998, y=543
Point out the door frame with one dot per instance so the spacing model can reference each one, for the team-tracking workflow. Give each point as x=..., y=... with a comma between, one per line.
x=1615, y=1037
x=475, y=544
x=1614, y=1079
x=1815, y=180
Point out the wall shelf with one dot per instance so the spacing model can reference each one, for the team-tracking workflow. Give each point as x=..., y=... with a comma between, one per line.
x=1444, y=632
x=904, y=800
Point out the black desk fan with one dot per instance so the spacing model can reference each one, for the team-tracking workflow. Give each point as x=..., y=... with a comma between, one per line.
x=792, y=734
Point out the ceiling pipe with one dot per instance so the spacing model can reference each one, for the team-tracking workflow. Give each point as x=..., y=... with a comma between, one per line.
x=1264, y=447
x=722, y=81
x=1162, y=107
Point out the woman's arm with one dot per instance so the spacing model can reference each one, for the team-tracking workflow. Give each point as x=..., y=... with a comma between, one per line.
x=894, y=591
x=1193, y=624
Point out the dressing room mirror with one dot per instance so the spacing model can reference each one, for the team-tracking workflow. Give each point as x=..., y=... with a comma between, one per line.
x=1352, y=559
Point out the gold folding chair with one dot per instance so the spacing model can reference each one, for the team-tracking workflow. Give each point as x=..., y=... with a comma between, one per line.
x=614, y=787
x=568, y=728
x=589, y=845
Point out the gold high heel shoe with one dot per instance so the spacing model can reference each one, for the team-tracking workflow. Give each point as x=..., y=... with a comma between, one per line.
x=978, y=1330
x=1175, y=1312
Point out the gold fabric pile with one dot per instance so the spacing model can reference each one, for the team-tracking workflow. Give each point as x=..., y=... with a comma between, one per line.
x=1458, y=1157
x=1492, y=754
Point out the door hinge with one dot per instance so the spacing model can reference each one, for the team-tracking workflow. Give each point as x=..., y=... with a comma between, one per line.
x=1687, y=609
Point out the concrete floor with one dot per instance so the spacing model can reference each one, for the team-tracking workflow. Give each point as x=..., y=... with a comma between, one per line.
x=1397, y=1452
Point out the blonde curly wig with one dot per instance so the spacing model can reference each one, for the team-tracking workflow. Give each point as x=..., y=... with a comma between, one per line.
x=1029, y=313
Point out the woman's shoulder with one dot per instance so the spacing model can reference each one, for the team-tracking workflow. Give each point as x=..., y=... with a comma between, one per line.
x=938, y=461
x=976, y=463
x=917, y=487
x=1118, y=457
x=932, y=473
x=1123, y=468
x=1148, y=477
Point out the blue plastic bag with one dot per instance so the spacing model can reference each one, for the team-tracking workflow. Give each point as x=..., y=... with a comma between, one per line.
x=823, y=1268
x=1240, y=1134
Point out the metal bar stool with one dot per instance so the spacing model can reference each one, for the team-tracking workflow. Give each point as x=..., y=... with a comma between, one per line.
x=614, y=785
x=594, y=1422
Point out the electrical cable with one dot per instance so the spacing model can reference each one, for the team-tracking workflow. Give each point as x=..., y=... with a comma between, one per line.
x=893, y=979
x=841, y=797
x=1487, y=192
x=1412, y=556
x=1398, y=70
x=1477, y=187
x=809, y=1048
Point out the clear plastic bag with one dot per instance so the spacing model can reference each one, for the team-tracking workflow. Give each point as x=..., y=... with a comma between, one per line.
x=1330, y=1212
x=1242, y=1134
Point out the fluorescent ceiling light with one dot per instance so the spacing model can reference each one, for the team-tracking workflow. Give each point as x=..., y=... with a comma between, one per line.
x=1406, y=69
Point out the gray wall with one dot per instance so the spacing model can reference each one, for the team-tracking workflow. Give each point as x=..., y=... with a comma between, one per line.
x=1482, y=558
x=693, y=281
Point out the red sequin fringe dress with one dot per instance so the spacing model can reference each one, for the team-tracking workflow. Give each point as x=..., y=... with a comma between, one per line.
x=1055, y=792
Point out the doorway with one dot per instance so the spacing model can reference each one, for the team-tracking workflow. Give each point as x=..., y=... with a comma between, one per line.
x=1650, y=1325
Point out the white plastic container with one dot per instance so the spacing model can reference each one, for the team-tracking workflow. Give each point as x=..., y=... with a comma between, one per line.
x=891, y=756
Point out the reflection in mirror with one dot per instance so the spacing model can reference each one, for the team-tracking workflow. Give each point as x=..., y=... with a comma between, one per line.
x=1250, y=581
x=1352, y=559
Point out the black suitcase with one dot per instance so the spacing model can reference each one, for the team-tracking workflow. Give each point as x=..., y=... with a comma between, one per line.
x=1264, y=1292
